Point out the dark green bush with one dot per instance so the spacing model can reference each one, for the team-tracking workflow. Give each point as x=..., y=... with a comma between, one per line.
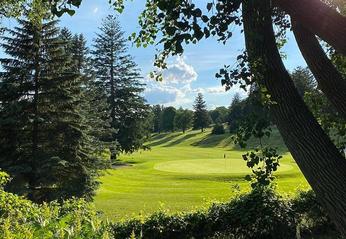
x=218, y=129
x=259, y=214
x=312, y=219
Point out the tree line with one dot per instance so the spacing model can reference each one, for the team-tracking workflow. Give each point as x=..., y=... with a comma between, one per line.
x=66, y=110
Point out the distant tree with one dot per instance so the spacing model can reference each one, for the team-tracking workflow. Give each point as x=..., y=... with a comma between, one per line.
x=219, y=115
x=167, y=119
x=218, y=129
x=43, y=142
x=183, y=119
x=303, y=80
x=201, y=119
x=157, y=118
x=236, y=113
x=119, y=77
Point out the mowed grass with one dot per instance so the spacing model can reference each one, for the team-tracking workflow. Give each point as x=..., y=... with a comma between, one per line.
x=184, y=172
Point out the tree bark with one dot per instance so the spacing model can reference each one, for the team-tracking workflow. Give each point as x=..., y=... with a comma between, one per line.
x=328, y=77
x=319, y=160
x=319, y=19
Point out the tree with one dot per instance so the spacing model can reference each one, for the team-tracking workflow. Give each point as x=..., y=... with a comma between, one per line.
x=201, y=118
x=43, y=142
x=119, y=77
x=235, y=114
x=157, y=118
x=303, y=80
x=329, y=79
x=167, y=119
x=93, y=101
x=318, y=158
x=219, y=115
x=183, y=119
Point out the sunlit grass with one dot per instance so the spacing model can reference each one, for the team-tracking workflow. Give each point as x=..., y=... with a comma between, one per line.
x=183, y=172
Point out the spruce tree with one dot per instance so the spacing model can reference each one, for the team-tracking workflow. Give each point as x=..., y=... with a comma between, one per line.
x=157, y=115
x=201, y=119
x=119, y=77
x=43, y=142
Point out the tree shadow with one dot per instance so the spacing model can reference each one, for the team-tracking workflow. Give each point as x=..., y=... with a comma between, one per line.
x=163, y=140
x=211, y=140
x=182, y=139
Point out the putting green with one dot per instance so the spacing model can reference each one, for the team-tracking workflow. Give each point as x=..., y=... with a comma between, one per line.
x=230, y=166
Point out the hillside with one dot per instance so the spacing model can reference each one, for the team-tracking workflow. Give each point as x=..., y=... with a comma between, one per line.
x=184, y=172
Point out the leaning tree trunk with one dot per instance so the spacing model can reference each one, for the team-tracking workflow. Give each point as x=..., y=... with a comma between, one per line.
x=319, y=19
x=317, y=157
x=328, y=77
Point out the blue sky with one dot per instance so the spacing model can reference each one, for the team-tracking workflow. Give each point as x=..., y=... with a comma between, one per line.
x=186, y=75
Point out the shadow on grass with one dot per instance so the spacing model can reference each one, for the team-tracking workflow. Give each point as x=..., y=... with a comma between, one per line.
x=163, y=140
x=182, y=139
x=211, y=140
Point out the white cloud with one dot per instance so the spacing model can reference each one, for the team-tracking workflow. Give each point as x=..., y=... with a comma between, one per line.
x=179, y=73
x=96, y=9
x=176, y=84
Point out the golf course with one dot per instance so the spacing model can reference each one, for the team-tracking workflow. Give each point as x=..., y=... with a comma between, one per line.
x=185, y=172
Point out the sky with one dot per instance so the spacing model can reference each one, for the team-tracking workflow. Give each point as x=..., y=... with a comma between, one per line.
x=187, y=75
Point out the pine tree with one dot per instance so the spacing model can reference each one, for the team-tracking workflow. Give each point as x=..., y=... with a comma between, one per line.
x=119, y=77
x=43, y=142
x=201, y=119
x=157, y=115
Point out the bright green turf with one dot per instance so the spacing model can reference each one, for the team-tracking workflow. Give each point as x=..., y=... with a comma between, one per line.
x=183, y=172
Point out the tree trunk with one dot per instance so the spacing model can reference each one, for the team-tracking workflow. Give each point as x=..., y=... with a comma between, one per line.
x=319, y=19
x=328, y=77
x=317, y=157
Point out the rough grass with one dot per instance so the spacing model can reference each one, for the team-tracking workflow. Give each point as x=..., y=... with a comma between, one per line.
x=184, y=172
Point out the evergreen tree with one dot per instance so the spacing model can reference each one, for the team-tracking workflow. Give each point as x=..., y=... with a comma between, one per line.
x=167, y=119
x=119, y=77
x=183, y=119
x=157, y=115
x=303, y=80
x=94, y=106
x=43, y=144
x=201, y=119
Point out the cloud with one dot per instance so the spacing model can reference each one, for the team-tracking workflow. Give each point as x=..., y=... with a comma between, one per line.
x=176, y=84
x=96, y=9
x=179, y=73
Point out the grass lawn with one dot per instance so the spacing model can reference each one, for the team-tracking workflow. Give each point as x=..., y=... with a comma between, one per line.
x=184, y=172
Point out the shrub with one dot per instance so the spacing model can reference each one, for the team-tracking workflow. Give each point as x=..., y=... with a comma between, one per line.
x=20, y=218
x=218, y=129
x=259, y=214
x=312, y=219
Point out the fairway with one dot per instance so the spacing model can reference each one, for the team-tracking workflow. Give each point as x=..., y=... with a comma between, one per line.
x=184, y=172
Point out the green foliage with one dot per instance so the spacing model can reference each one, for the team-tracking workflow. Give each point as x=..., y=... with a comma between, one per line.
x=44, y=143
x=219, y=115
x=118, y=76
x=20, y=218
x=167, y=119
x=218, y=129
x=303, y=80
x=183, y=119
x=259, y=214
x=201, y=118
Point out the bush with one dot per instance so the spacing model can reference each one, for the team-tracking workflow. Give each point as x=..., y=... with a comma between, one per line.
x=312, y=219
x=259, y=214
x=218, y=129
x=20, y=218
